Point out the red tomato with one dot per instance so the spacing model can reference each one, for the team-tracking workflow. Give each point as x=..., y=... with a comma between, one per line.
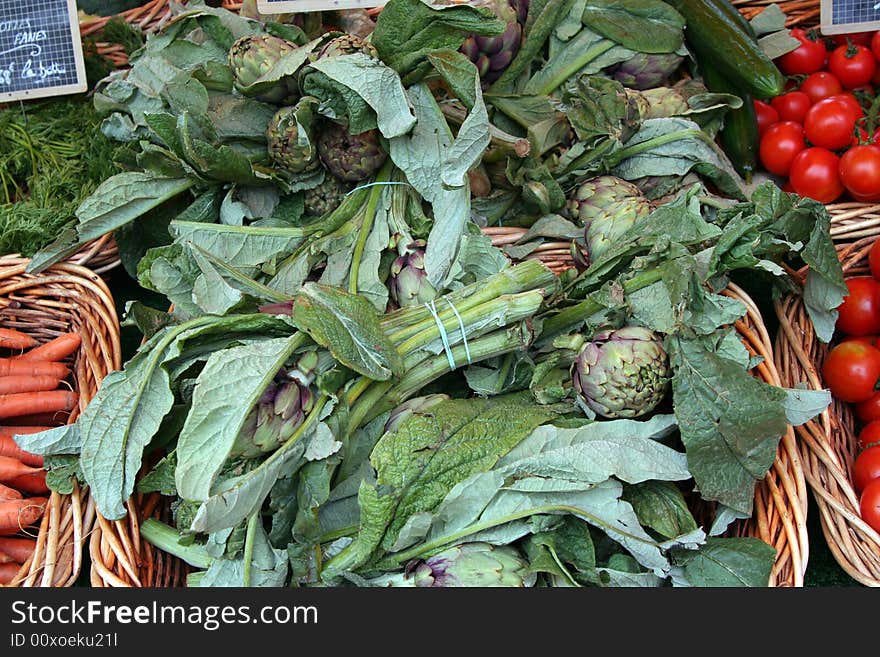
x=792, y=106
x=807, y=58
x=866, y=467
x=869, y=411
x=831, y=123
x=766, y=115
x=821, y=85
x=874, y=259
x=851, y=371
x=859, y=38
x=851, y=101
x=853, y=65
x=860, y=172
x=859, y=314
x=869, y=505
x=779, y=145
x=870, y=433
x=868, y=340
x=814, y=174
x=875, y=44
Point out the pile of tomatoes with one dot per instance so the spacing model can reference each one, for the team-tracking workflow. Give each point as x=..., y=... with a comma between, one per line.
x=820, y=134
x=851, y=372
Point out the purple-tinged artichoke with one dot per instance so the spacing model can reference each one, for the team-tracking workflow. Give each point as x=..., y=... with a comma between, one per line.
x=290, y=141
x=493, y=54
x=347, y=44
x=352, y=158
x=465, y=565
x=646, y=70
x=326, y=197
x=607, y=207
x=622, y=373
x=407, y=409
x=409, y=281
x=251, y=57
x=279, y=411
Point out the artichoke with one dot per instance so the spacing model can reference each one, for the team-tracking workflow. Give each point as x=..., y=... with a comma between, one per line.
x=412, y=406
x=251, y=57
x=465, y=565
x=607, y=207
x=279, y=411
x=492, y=55
x=349, y=157
x=409, y=282
x=290, y=143
x=645, y=70
x=622, y=373
x=326, y=197
x=347, y=44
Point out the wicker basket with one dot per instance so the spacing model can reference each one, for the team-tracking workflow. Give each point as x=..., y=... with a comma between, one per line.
x=65, y=297
x=800, y=13
x=828, y=444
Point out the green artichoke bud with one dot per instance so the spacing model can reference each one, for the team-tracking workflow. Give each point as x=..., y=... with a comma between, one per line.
x=607, y=206
x=352, y=158
x=409, y=281
x=465, y=565
x=493, y=54
x=289, y=137
x=411, y=407
x=646, y=70
x=623, y=373
x=664, y=102
x=251, y=57
x=347, y=44
x=326, y=197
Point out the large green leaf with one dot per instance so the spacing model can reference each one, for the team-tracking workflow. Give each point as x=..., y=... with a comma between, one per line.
x=225, y=392
x=348, y=326
x=650, y=26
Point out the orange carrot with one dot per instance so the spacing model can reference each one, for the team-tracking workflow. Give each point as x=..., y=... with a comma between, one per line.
x=7, y=493
x=23, y=430
x=22, y=383
x=19, y=367
x=5, y=558
x=8, y=571
x=12, y=339
x=10, y=468
x=8, y=447
x=33, y=483
x=50, y=420
x=20, y=549
x=54, y=350
x=26, y=403
x=15, y=515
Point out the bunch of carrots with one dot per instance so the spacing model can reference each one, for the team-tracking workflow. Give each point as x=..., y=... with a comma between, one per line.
x=34, y=396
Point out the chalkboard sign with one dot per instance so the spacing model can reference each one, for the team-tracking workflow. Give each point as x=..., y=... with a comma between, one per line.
x=40, y=49
x=840, y=16
x=293, y=6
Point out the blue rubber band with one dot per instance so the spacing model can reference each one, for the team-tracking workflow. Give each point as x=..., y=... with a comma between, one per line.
x=445, y=338
x=467, y=351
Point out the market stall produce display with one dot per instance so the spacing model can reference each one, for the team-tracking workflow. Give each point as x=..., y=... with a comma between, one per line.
x=450, y=301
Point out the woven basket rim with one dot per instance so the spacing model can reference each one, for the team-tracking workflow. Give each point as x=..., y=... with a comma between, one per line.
x=828, y=442
x=86, y=299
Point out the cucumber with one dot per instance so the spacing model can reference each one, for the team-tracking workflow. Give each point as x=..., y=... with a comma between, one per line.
x=739, y=134
x=715, y=33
